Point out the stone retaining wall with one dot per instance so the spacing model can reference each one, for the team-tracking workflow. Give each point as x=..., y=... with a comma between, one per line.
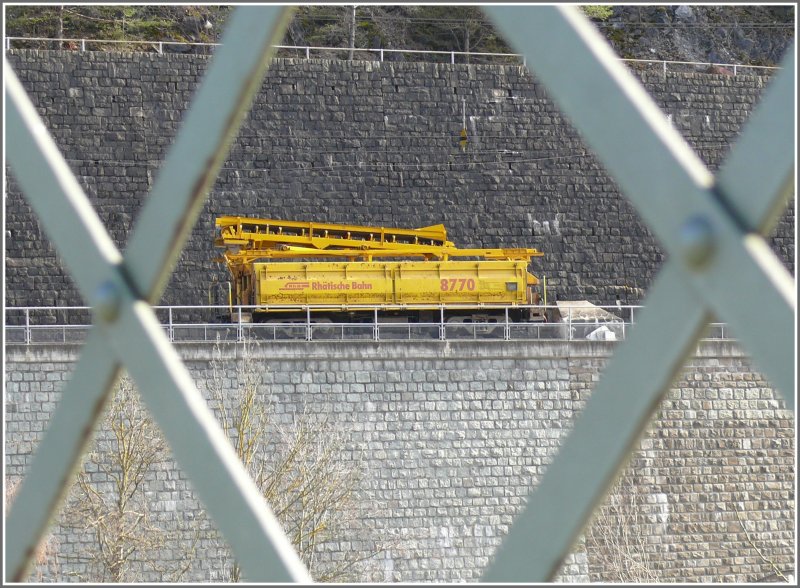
x=365, y=143
x=455, y=435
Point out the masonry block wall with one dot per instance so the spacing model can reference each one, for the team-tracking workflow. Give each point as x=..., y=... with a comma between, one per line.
x=455, y=436
x=365, y=143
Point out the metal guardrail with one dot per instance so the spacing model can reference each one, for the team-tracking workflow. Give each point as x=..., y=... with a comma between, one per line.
x=306, y=50
x=202, y=324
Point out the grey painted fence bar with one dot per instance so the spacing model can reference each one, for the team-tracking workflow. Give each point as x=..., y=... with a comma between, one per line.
x=62, y=206
x=258, y=541
x=774, y=118
x=617, y=117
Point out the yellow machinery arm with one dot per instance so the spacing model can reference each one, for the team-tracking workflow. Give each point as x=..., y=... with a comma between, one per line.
x=248, y=239
x=322, y=235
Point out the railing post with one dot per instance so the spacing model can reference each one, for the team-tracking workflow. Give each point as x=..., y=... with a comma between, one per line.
x=83, y=45
x=507, y=328
x=27, y=326
x=442, y=333
x=375, y=329
x=160, y=48
x=452, y=57
x=308, y=52
x=8, y=43
x=381, y=55
x=665, y=70
x=734, y=69
x=171, y=328
x=569, y=324
x=239, y=330
x=309, y=334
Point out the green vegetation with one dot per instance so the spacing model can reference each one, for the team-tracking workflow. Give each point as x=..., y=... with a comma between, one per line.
x=116, y=23
x=745, y=34
x=598, y=11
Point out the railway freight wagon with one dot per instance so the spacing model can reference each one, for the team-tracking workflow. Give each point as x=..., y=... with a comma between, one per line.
x=282, y=289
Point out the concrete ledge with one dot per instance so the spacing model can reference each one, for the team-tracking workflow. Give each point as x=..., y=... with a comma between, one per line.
x=303, y=350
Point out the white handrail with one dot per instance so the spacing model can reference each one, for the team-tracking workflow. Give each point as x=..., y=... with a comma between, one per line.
x=307, y=49
x=30, y=329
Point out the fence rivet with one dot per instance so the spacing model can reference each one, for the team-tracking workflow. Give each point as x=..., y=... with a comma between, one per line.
x=108, y=301
x=697, y=241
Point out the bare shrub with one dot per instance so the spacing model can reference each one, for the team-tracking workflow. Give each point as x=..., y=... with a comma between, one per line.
x=307, y=469
x=110, y=498
x=615, y=538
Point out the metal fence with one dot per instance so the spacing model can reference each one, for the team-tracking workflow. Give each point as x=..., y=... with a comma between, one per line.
x=309, y=51
x=711, y=226
x=39, y=325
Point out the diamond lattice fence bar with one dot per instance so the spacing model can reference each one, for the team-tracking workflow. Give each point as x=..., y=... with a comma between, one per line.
x=712, y=228
x=126, y=331
x=718, y=265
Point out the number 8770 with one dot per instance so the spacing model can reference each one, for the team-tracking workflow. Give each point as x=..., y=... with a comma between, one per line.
x=457, y=284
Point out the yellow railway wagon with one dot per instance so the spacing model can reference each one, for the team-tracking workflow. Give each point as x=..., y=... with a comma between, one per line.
x=493, y=284
x=408, y=283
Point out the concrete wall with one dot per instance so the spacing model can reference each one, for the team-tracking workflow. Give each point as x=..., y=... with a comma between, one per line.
x=365, y=143
x=455, y=435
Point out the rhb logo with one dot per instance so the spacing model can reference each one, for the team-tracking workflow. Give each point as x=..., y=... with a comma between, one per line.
x=295, y=286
